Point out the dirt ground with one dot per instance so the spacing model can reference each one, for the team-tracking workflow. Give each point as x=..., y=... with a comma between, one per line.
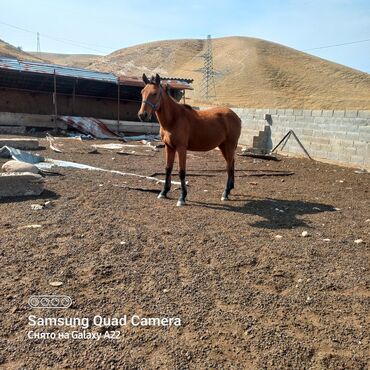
x=247, y=299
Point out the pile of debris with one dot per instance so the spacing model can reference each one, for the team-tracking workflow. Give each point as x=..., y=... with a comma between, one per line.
x=19, y=178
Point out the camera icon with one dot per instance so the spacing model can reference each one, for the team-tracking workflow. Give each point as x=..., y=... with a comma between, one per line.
x=50, y=301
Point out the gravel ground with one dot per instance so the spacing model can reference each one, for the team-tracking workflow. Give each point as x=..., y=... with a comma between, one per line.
x=251, y=292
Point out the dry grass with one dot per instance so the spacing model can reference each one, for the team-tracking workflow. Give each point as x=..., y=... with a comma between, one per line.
x=10, y=51
x=70, y=60
x=250, y=72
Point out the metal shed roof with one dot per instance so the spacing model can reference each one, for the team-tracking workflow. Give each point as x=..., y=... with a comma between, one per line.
x=44, y=68
x=82, y=73
x=34, y=76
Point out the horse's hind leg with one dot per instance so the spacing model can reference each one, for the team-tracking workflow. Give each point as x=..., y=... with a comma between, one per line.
x=170, y=157
x=228, y=152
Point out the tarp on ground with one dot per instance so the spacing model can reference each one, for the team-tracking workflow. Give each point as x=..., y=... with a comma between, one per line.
x=89, y=126
x=48, y=163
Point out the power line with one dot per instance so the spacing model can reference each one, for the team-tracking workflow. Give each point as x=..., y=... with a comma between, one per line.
x=335, y=45
x=65, y=41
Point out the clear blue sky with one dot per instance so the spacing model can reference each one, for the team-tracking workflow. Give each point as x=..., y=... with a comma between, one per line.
x=100, y=27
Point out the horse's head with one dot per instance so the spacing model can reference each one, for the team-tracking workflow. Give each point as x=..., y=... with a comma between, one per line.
x=151, y=97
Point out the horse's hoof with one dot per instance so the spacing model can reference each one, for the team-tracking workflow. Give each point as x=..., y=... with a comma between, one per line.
x=161, y=196
x=180, y=203
x=223, y=199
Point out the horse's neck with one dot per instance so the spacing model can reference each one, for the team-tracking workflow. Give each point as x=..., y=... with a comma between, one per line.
x=168, y=112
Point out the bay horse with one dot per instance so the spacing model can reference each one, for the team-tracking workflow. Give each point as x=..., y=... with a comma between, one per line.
x=182, y=128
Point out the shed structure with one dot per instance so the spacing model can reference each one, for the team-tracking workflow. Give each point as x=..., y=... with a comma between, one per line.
x=34, y=95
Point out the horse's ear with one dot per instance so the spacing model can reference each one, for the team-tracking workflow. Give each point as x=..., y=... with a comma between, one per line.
x=145, y=79
x=167, y=88
x=157, y=79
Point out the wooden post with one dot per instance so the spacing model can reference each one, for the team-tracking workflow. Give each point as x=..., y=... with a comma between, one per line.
x=55, y=98
x=118, y=104
x=74, y=97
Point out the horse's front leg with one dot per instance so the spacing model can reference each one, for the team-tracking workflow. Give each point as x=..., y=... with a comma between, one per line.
x=170, y=157
x=181, y=152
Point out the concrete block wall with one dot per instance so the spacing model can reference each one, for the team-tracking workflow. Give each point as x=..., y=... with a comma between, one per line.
x=337, y=136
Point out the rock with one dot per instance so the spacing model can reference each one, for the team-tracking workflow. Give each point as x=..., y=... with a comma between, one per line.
x=305, y=233
x=20, y=184
x=56, y=283
x=48, y=204
x=36, y=207
x=17, y=166
x=31, y=226
x=326, y=240
x=93, y=151
x=278, y=236
x=359, y=241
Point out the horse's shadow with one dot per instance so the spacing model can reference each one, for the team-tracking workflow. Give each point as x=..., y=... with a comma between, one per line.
x=276, y=213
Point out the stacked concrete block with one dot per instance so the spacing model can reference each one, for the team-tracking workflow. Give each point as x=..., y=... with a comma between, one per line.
x=341, y=136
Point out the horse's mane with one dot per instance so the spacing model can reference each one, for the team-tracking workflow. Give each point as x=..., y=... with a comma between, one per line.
x=188, y=106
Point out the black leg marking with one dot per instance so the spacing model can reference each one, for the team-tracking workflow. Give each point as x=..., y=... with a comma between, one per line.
x=184, y=191
x=167, y=184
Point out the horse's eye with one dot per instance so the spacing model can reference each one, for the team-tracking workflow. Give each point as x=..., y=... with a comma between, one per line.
x=155, y=94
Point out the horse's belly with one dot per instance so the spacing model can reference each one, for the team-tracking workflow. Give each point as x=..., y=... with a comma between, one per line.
x=202, y=147
x=208, y=141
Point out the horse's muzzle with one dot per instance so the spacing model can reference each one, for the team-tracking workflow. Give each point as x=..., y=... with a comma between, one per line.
x=144, y=117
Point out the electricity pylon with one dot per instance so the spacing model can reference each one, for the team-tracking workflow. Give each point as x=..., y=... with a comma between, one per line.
x=208, y=88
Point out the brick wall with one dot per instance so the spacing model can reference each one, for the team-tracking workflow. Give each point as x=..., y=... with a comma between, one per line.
x=331, y=135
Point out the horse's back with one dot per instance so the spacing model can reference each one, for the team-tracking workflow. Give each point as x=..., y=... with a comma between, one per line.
x=225, y=117
x=212, y=127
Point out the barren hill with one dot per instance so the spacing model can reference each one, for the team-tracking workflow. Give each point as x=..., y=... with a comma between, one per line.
x=249, y=72
x=70, y=60
x=10, y=51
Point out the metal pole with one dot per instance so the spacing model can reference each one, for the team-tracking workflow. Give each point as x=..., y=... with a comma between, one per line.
x=285, y=137
x=118, y=104
x=301, y=145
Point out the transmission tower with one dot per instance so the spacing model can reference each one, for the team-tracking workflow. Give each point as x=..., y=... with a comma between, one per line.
x=208, y=89
x=38, y=43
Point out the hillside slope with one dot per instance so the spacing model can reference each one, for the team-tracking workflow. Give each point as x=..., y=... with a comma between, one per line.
x=249, y=72
x=10, y=51
x=69, y=60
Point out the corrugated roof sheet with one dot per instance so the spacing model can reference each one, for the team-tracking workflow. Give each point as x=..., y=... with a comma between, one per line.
x=175, y=83
x=44, y=68
x=81, y=73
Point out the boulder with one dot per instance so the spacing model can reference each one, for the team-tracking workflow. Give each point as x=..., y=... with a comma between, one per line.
x=20, y=184
x=17, y=166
